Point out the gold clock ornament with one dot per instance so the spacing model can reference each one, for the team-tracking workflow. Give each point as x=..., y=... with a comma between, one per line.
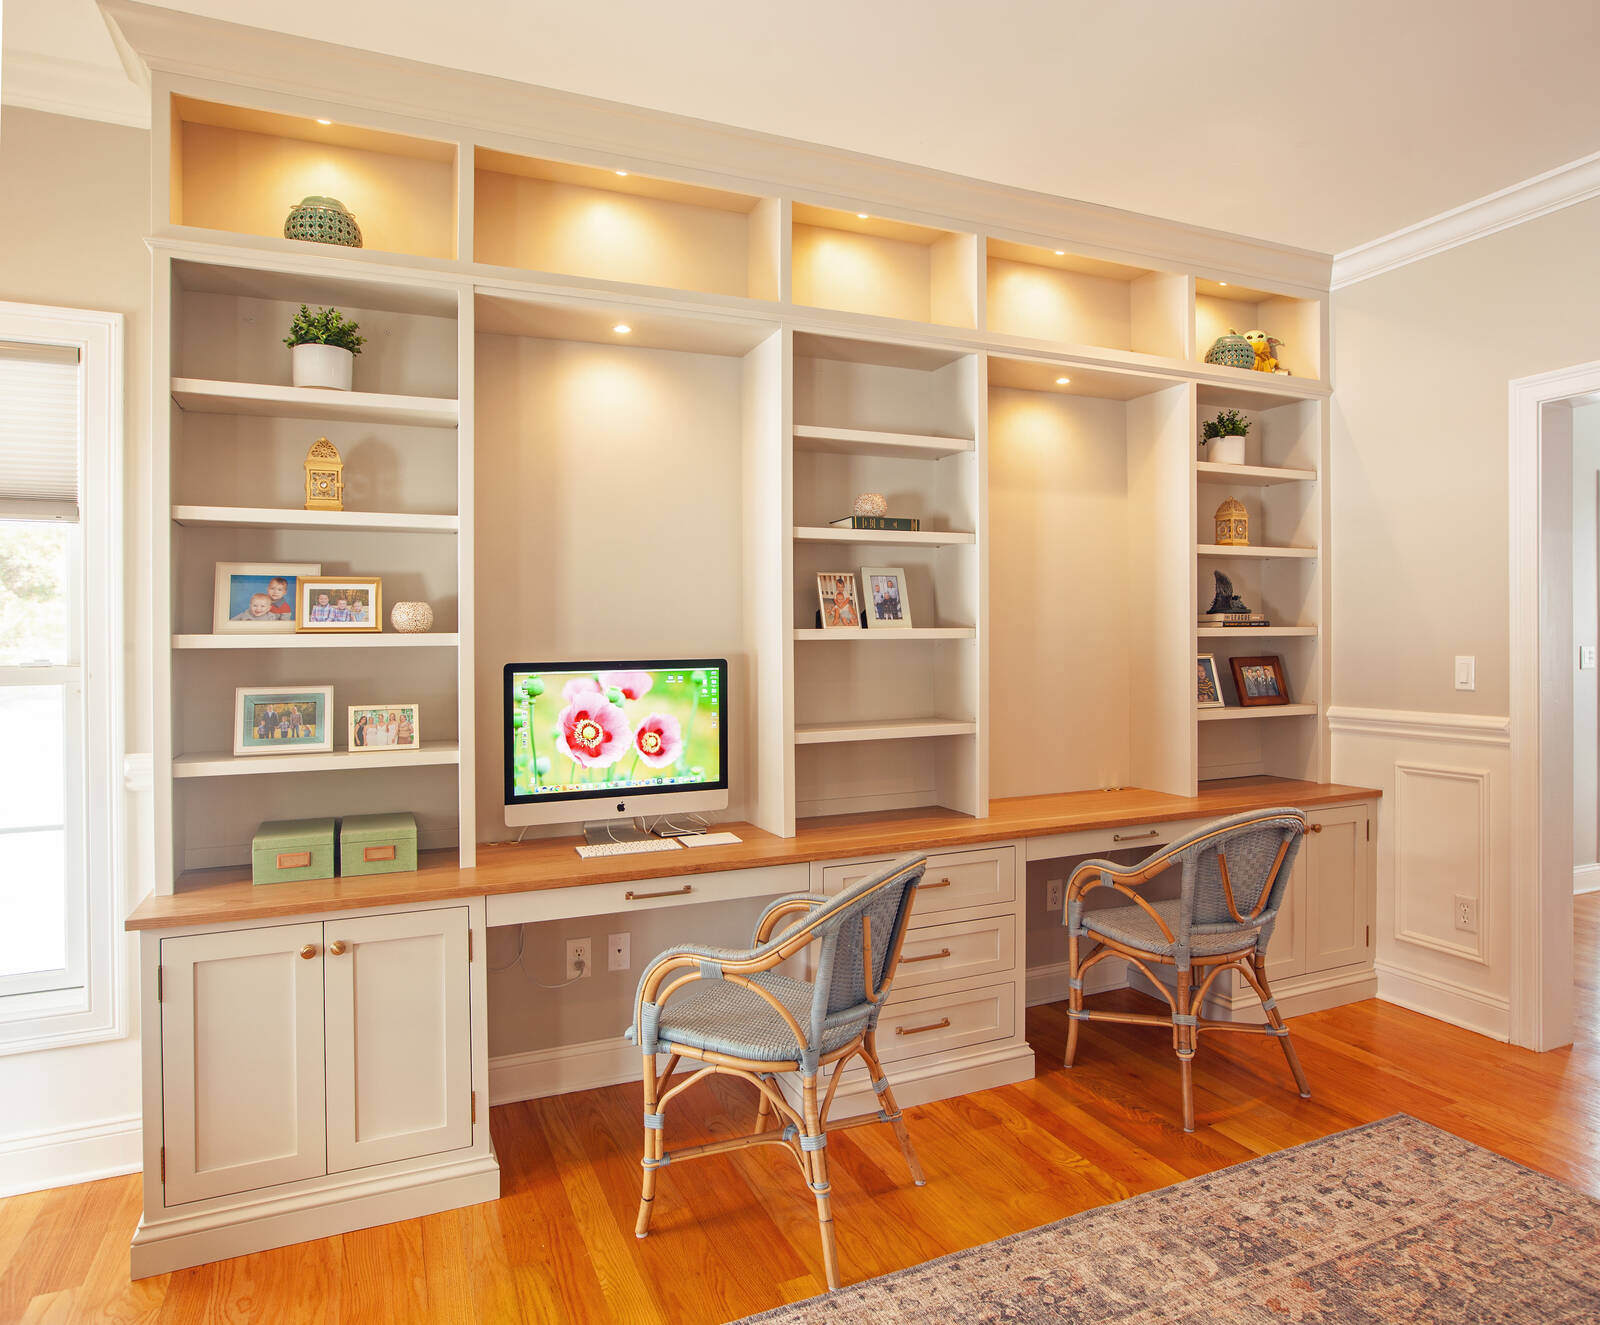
x=1233, y=524
x=324, y=477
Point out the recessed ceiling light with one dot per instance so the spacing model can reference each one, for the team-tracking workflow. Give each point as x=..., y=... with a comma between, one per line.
x=1061, y=253
x=861, y=216
x=1062, y=381
x=324, y=121
x=622, y=172
x=622, y=328
x=1222, y=282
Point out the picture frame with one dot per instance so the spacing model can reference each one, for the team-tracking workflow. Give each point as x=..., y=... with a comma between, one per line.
x=886, y=604
x=1207, y=682
x=836, y=597
x=374, y=727
x=1260, y=681
x=257, y=597
x=282, y=720
x=339, y=605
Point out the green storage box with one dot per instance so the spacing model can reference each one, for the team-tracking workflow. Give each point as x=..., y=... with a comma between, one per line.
x=377, y=844
x=289, y=849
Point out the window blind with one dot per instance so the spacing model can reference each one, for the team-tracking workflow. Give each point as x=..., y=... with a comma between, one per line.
x=40, y=427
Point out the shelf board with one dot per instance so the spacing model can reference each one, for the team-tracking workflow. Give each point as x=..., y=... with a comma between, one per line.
x=1256, y=711
x=882, y=537
x=1255, y=632
x=860, y=441
x=228, y=765
x=1255, y=475
x=263, y=517
x=385, y=640
x=201, y=396
x=870, y=636
x=899, y=730
x=1219, y=550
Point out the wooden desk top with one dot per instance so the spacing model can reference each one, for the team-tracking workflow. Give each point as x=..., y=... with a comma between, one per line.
x=211, y=897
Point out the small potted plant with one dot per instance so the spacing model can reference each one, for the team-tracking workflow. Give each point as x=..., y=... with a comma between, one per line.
x=1224, y=437
x=324, y=345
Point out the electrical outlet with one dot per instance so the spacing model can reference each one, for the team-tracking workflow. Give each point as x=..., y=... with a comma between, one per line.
x=618, y=952
x=1466, y=671
x=1586, y=658
x=1052, y=894
x=580, y=959
x=1466, y=909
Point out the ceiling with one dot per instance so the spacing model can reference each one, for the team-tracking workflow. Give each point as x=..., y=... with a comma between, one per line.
x=1318, y=125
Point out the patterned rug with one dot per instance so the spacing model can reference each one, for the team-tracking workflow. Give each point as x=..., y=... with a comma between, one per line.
x=1392, y=1222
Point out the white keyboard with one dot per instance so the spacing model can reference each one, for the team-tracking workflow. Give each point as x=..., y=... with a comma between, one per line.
x=627, y=848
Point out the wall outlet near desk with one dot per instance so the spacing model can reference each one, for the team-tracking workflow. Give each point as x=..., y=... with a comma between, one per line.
x=580, y=959
x=1466, y=914
x=1053, y=890
x=618, y=952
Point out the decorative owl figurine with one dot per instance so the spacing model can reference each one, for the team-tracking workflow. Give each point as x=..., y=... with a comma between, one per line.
x=1266, y=350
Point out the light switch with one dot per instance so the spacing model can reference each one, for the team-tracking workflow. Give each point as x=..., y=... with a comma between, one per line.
x=1586, y=657
x=1466, y=671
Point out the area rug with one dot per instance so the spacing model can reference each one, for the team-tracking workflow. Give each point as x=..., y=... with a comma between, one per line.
x=1392, y=1222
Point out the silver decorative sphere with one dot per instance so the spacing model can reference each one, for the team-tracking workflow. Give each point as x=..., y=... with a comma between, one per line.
x=870, y=503
x=411, y=618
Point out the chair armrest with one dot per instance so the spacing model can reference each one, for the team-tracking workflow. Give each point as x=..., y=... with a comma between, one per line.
x=1097, y=873
x=790, y=904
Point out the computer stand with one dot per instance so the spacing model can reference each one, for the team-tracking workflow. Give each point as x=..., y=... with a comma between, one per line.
x=596, y=832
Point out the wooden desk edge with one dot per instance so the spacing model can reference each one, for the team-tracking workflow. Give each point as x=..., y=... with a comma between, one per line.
x=552, y=863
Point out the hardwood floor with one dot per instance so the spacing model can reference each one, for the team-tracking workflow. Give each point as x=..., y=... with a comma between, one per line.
x=735, y=1234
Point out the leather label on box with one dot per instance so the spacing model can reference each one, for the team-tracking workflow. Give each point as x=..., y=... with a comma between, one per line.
x=293, y=860
x=378, y=853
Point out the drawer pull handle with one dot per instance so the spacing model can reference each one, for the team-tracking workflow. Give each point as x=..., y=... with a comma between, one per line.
x=1135, y=837
x=631, y=896
x=942, y=883
x=293, y=860
x=917, y=1030
x=1316, y=828
x=926, y=957
x=378, y=853
x=309, y=951
x=338, y=948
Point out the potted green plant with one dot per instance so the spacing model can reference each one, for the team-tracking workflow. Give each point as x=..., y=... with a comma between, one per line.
x=324, y=346
x=1224, y=437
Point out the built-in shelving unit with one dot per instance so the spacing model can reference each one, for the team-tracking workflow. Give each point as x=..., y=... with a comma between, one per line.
x=396, y=640
x=1258, y=711
x=262, y=517
x=903, y=729
x=1224, y=306
x=858, y=262
x=869, y=636
x=224, y=765
x=198, y=396
x=1233, y=550
x=885, y=537
x=866, y=441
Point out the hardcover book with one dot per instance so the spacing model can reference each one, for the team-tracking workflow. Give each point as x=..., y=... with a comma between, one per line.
x=901, y=524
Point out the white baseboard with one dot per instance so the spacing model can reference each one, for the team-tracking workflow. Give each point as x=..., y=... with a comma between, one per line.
x=566, y=1067
x=1585, y=879
x=64, y=1155
x=1446, y=1000
x=1048, y=984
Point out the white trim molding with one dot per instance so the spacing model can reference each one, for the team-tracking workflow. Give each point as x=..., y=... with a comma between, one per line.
x=1585, y=879
x=1575, y=182
x=1444, y=999
x=35, y=81
x=1466, y=728
x=1406, y=772
x=561, y=1069
x=61, y=1155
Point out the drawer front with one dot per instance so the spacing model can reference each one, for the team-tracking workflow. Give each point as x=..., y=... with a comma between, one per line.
x=944, y=1023
x=986, y=946
x=1103, y=841
x=955, y=881
x=603, y=899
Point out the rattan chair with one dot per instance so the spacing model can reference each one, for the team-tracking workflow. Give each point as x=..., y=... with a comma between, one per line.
x=734, y=1012
x=1234, y=874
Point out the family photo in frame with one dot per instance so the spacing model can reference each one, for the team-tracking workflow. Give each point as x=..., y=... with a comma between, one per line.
x=282, y=720
x=385, y=727
x=335, y=604
x=257, y=597
x=888, y=606
x=836, y=597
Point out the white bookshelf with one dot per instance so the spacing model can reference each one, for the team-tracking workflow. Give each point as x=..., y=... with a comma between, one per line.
x=1252, y=475
x=1256, y=711
x=885, y=537
x=293, y=643
x=197, y=396
x=905, y=729
x=1255, y=552
x=226, y=765
x=868, y=441
x=258, y=517
x=914, y=634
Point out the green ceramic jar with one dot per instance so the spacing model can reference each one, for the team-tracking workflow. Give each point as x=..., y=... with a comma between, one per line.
x=1232, y=350
x=322, y=221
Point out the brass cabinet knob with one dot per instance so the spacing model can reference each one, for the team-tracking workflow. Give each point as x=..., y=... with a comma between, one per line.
x=337, y=948
x=1316, y=828
x=309, y=951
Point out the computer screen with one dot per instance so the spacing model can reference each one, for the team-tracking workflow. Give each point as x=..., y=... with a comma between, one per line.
x=646, y=736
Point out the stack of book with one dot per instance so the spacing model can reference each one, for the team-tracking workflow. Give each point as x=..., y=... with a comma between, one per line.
x=900, y=524
x=1234, y=619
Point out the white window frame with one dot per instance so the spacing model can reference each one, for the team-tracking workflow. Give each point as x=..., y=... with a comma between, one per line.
x=94, y=1008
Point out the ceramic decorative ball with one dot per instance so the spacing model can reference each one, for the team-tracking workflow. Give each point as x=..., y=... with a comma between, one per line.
x=411, y=618
x=870, y=503
x=322, y=221
x=1232, y=350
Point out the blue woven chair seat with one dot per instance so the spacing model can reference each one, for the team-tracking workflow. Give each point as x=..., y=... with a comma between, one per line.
x=1134, y=927
x=727, y=1018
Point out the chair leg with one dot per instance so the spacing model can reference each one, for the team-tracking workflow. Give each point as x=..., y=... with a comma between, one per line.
x=818, y=1172
x=869, y=1051
x=1183, y=1036
x=1074, y=998
x=763, y=1110
x=1275, y=1019
x=652, y=1150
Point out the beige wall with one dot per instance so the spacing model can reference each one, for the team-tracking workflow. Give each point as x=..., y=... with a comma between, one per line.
x=1585, y=630
x=74, y=206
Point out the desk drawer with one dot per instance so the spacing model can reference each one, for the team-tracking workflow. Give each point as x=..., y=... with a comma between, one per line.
x=603, y=899
x=955, y=881
x=943, y=1023
x=932, y=953
x=1103, y=841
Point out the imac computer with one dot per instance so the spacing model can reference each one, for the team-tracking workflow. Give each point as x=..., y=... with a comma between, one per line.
x=604, y=742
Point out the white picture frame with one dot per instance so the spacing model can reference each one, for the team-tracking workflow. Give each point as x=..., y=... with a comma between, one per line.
x=237, y=585
x=401, y=727
x=282, y=720
x=836, y=597
x=885, y=603
x=1208, y=682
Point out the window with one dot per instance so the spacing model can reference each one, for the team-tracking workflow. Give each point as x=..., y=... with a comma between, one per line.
x=60, y=660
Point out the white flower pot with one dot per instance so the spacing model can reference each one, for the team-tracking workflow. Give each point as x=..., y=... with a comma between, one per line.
x=1225, y=450
x=323, y=365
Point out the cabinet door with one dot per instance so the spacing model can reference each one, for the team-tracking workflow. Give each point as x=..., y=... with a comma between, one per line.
x=1286, y=953
x=1337, y=901
x=241, y=1060
x=399, y=1037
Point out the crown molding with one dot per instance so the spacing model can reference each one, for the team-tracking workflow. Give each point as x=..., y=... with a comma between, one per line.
x=1575, y=182
x=73, y=87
